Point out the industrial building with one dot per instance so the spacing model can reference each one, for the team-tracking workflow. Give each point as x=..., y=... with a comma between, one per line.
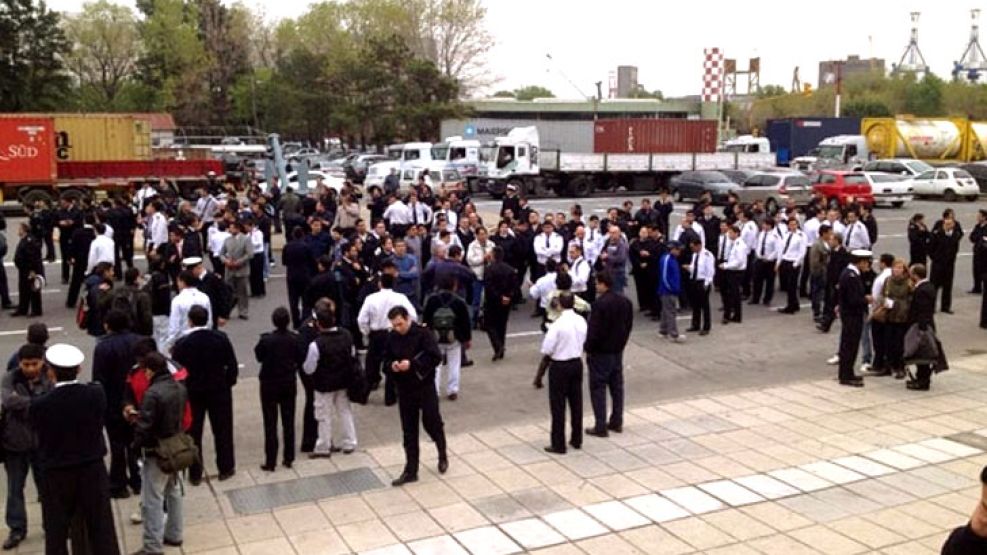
x=853, y=66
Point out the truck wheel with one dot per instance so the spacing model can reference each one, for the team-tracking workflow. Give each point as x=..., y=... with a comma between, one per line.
x=949, y=195
x=541, y=189
x=581, y=187
x=32, y=197
x=74, y=195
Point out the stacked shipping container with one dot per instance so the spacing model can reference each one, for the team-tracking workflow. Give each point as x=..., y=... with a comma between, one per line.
x=654, y=136
x=96, y=137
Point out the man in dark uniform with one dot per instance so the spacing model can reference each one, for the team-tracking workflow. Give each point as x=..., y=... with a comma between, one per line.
x=68, y=218
x=943, y=249
x=511, y=202
x=853, y=302
x=607, y=333
x=500, y=286
x=69, y=422
x=921, y=312
x=412, y=355
x=82, y=238
x=124, y=222
x=219, y=292
x=977, y=236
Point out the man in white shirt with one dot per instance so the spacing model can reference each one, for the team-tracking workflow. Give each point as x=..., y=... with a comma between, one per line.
x=790, y=259
x=767, y=243
x=541, y=290
x=590, y=249
x=699, y=274
x=157, y=228
x=563, y=344
x=478, y=255
x=856, y=236
x=594, y=239
x=398, y=217
x=878, y=330
x=420, y=213
x=833, y=219
x=748, y=234
x=451, y=218
x=579, y=270
x=811, y=230
x=734, y=264
x=375, y=325
x=547, y=245
x=689, y=222
x=100, y=250
x=188, y=296
x=217, y=235
x=206, y=207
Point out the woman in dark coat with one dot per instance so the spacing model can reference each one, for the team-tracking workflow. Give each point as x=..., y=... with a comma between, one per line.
x=27, y=260
x=918, y=240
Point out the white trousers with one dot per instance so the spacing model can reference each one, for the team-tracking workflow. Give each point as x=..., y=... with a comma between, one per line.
x=452, y=354
x=331, y=406
x=160, y=331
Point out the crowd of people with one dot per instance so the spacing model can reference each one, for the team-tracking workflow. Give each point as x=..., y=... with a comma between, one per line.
x=391, y=301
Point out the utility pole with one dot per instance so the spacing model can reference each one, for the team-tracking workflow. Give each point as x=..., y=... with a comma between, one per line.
x=839, y=86
x=597, y=99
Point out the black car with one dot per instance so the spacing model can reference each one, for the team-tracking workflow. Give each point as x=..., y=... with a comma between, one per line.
x=691, y=185
x=979, y=172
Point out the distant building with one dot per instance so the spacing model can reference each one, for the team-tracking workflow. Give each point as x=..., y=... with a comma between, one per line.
x=853, y=66
x=626, y=80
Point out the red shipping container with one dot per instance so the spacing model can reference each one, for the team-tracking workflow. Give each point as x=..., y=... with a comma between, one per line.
x=653, y=136
x=138, y=169
x=27, y=150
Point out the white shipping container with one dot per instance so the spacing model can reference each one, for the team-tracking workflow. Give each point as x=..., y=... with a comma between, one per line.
x=567, y=136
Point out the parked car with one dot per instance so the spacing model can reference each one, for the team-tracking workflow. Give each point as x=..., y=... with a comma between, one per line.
x=908, y=167
x=775, y=189
x=377, y=172
x=447, y=180
x=356, y=168
x=691, y=185
x=842, y=188
x=949, y=183
x=738, y=176
x=333, y=180
x=979, y=172
x=889, y=189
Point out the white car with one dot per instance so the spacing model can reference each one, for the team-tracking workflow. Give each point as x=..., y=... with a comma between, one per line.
x=333, y=180
x=949, y=183
x=889, y=189
x=377, y=172
x=908, y=167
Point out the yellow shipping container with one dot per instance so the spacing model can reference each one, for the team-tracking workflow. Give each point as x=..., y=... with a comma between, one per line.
x=83, y=137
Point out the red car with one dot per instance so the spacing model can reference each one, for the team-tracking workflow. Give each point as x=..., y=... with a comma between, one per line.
x=840, y=188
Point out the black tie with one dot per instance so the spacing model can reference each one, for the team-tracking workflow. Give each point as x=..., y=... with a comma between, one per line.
x=546, y=241
x=695, y=266
x=723, y=246
x=787, y=242
x=414, y=214
x=764, y=240
x=849, y=233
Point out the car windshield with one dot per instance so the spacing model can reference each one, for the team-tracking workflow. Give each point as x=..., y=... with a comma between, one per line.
x=918, y=166
x=835, y=151
x=962, y=174
x=440, y=152
x=855, y=179
x=488, y=153
x=885, y=178
x=797, y=181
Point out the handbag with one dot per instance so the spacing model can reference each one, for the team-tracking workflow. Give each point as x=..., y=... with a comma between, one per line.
x=880, y=314
x=176, y=453
x=359, y=389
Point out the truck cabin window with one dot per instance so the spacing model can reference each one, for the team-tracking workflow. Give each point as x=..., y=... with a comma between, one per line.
x=505, y=156
x=457, y=153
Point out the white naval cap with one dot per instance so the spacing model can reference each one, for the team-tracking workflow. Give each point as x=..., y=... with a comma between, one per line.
x=861, y=254
x=64, y=355
x=191, y=261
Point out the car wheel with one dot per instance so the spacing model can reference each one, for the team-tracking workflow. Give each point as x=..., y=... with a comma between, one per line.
x=949, y=195
x=972, y=198
x=677, y=196
x=898, y=204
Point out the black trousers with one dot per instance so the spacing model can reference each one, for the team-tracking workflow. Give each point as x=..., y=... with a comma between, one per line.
x=850, y=332
x=983, y=308
x=422, y=403
x=296, y=292
x=879, y=342
x=565, y=386
x=78, y=276
x=979, y=270
x=123, y=251
x=49, y=240
x=894, y=340
x=495, y=316
x=64, y=246
x=804, y=276
x=78, y=496
x=217, y=266
x=646, y=291
x=698, y=293
x=733, y=302
x=606, y=372
x=257, y=286
x=375, y=362
x=278, y=398
x=310, y=427
x=28, y=301
x=764, y=281
x=4, y=290
x=789, y=276
x=942, y=277
x=218, y=404
x=124, y=470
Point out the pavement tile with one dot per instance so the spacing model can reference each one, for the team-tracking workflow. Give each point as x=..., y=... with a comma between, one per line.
x=957, y=501
x=847, y=500
x=656, y=508
x=391, y=501
x=654, y=479
x=738, y=524
x=412, y=526
x=605, y=545
x=618, y=485
x=306, y=518
x=780, y=543
x=486, y=460
x=581, y=493
x=345, y=510
x=731, y=493
x=457, y=517
x=698, y=533
x=800, y=479
x=813, y=508
x=500, y=508
x=910, y=548
x=523, y=453
x=473, y=487
x=439, y=545
x=621, y=460
x=396, y=549
x=905, y=524
x=487, y=540
x=834, y=543
x=833, y=472
x=496, y=438
x=575, y=524
x=951, y=447
x=689, y=473
x=863, y=531
x=541, y=500
x=432, y=494
x=549, y=472
x=512, y=479
x=735, y=549
x=202, y=537
x=585, y=466
x=923, y=453
x=532, y=533
x=757, y=461
x=864, y=466
x=561, y=549
x=693, y=499
x=616, y=515
x=725, y=466
x=252, y=528
x=766, y=486
x=653, y=454
x=913, y=484
x=881, y=493
x=654, y=540
x=273, y=546
x=366, y=535
x=944, y=478
x=787, y=454
x=321, y=542
x=935, y=515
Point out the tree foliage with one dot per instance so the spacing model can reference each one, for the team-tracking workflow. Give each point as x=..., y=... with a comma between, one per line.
x=641, y=92
x=105, y=44
x=32, y=45
x=531, y=92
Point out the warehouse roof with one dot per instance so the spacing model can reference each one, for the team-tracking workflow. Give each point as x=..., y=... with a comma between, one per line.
x=607, y=105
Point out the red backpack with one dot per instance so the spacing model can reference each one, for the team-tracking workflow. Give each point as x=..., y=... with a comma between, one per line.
x=139, y=383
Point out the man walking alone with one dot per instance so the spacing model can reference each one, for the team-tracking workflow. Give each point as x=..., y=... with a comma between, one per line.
x=609, y=328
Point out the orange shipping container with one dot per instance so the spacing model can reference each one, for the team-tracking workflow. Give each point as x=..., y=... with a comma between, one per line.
x=653, y=136
x=89, y=137
x=27, y=150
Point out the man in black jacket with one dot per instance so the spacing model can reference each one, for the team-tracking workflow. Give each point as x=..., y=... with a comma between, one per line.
x=331, y=366
x=208, y=357
x=921, y=312
x=113, y=358
x=607, y=333
x=854, y=301
x=977, y=236
x=215, y=287
x=123, y=221
x=943, y=249
x=300, y=266
x=68, y=218
x=76, y=488
x=412, y=356
x=160, y=417
x=447, y=315
x=27, y=260
x=82, y=238
x=280, y=354
x=501, y=285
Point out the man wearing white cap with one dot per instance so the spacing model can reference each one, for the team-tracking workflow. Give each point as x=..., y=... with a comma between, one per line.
x=219, y=292
x=188, y=296
x=69, y=422
x=854, y=302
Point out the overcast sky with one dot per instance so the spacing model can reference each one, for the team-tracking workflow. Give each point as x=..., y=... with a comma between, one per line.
x=665, y=40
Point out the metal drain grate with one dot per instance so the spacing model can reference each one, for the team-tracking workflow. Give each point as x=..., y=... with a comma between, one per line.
x=265, y=497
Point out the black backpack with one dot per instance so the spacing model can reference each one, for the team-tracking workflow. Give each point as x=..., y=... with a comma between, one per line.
x=444, y=322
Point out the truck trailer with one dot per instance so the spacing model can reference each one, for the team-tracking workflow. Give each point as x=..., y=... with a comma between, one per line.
x=791, y=138
x=934, y=140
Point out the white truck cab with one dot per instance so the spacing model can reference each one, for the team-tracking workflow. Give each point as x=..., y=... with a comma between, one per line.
x=513, y=158
x=842, y=152
x=746, y=143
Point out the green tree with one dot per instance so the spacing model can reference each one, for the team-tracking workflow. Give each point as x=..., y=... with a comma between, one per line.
x=32, y=46
x=641, y=92
x=103, y=58
x=503, y=94
x=221, y=31
x=925, y=97
x=532, y=92
x=866, y=108
x=768, y=91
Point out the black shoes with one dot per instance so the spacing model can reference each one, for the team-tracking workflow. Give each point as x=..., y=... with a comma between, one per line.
x=596, y=433
x=467, y=363
x=692, y=330
x=404, y=478
x=443, y=465
x=615, y=429
x=315, y=455
x=704, y=332
x=267, y=467
x=915, y=385
x=13, y=540
x=855, y=382
x=224, y=476
x=195, y=481
x=170, y=543
x=551, y=449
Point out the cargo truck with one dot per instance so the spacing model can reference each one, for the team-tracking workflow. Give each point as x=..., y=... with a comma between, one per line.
x=792, y=138
x=516, y=159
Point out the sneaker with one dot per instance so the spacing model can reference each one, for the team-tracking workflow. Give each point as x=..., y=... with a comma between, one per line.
x=679, y=338
x=136, y=518
x=865, y=367
x=833, y=360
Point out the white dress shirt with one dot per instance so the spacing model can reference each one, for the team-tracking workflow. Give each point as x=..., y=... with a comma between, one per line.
x=579, y=271
x=205, y=208
x=837, y=227
x=476, y=256
x=792, y=248
x=877, y=290
x=593, y=245
x=398, y=213
x=180, y=305
x=748, y=232
x=703, y=267
x=452, y=219
x=100, y=250
x=216, y=240
x=677, y=232
x=158, y=230
x=767, y=245
x=548, y=246
x=373, y=313
x=856, y=237
x=811, y=230
x=541, y=289
x=736, y=255
x=420, y=213
x=257, y=240
x=565, y=337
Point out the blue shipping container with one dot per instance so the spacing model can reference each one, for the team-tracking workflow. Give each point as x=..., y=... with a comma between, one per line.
x=794, y=137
